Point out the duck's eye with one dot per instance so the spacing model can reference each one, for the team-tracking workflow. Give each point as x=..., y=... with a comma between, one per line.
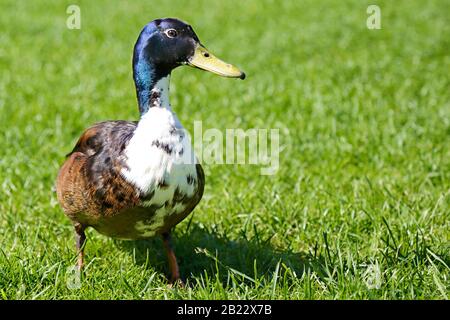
x=171, y=33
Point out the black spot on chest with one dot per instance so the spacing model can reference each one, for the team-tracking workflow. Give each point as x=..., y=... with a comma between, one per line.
x=163, y=184
x=190, y=179
x=154, y=98
x=163, y=146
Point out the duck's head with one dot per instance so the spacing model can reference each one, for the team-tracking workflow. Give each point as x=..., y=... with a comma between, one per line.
x=165, y=44
x=169, y=43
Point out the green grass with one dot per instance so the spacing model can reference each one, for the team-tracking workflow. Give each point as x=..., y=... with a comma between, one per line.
x=363, y=186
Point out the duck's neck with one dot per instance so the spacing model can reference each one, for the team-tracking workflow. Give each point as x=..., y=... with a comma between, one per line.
x=152, y=86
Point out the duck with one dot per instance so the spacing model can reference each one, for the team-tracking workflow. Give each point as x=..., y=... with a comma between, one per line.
x=138, y=179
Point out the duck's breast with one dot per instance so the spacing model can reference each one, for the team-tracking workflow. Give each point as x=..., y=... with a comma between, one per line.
x=160, y=162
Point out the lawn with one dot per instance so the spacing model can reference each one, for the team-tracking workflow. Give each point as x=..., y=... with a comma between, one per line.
x=358, y=209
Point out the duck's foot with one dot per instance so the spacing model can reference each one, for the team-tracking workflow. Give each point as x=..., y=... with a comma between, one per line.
x=176, y=284
x=173, y=264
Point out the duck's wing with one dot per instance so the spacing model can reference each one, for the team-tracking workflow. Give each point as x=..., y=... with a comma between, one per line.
x=104, y=135
x=89, y=183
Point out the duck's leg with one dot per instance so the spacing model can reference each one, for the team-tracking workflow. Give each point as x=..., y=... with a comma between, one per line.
x=173, y=265
x=80, y=239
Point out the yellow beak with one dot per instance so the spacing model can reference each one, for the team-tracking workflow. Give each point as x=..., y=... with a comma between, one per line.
x=204, y=60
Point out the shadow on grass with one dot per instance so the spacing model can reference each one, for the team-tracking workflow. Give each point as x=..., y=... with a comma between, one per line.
x=201, y=251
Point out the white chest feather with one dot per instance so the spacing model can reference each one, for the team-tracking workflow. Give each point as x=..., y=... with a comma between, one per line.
x=158, y=154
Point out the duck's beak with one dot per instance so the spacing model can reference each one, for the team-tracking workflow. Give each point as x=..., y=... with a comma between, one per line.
x=205, y=60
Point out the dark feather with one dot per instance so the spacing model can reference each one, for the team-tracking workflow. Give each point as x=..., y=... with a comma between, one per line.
x=89, y=184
